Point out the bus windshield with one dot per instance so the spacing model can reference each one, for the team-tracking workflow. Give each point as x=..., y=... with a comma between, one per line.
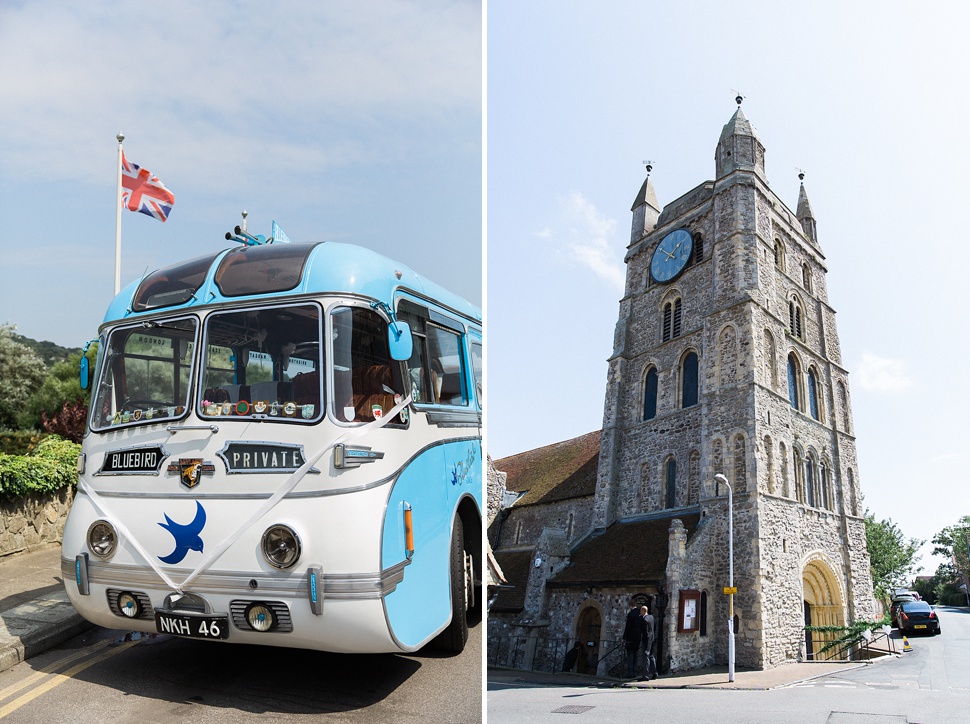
x=263, y=362
x=145, y=374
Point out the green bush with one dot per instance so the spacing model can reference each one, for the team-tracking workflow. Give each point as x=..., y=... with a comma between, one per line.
x=20, y=442
x=52, y=466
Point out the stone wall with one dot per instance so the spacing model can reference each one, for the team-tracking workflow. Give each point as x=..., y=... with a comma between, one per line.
x=33, y=521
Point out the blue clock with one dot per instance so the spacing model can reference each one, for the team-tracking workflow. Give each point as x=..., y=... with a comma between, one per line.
x=671, y=256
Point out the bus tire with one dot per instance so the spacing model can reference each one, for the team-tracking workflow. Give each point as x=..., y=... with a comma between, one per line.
x=454, y=637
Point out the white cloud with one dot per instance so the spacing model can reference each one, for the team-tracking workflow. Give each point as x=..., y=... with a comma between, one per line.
x=591, y=243
x=287, y=86
x=882, y=375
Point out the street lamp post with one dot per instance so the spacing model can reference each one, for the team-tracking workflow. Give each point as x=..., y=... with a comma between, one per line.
x=724, y=481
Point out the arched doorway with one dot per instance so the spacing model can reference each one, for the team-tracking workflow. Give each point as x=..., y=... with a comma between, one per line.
x=588, y=634
x=824, y=605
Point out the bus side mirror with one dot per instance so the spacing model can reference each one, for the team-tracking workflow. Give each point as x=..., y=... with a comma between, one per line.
x=84, y=373
x=399, y=341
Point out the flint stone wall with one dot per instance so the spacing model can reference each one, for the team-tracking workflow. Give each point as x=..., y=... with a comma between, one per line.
x=33, y=521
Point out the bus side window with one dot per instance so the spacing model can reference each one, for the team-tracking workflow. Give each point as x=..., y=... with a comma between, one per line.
x=447, y=369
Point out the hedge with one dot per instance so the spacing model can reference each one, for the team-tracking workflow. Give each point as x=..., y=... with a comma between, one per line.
x=51, y=466
x=19, y=442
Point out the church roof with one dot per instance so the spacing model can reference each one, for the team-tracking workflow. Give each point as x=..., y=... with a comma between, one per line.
x=625, y=553
x=561, y=471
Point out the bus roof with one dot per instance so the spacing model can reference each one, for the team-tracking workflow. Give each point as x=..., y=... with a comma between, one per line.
x=323, y=267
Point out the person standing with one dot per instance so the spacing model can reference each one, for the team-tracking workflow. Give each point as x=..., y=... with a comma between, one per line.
x=632, y=634
x=648, y=640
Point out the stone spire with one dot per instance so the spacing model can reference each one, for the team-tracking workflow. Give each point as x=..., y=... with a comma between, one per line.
x=739, y=148
x=646, y=210
x=804, y=213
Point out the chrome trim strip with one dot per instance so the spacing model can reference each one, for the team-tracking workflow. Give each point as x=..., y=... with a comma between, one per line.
x=335, y=586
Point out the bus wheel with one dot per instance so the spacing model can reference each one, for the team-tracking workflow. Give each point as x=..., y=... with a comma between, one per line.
x=454, y=637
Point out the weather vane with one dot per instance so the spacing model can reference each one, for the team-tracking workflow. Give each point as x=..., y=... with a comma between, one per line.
x=649, y=165
x=801, y=174
x=738, y=98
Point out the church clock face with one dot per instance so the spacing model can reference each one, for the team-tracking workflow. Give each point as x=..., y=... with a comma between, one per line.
x=671, y=256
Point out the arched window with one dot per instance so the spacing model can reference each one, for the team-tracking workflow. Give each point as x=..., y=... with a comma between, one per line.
x=807, y=277
x=779, y=255
x=799, y=476
x=813, y=393
x=650, y=394
x=793, y=372
x=672, y=320
x=671, y=496
x=795, y=319
x=689, y=380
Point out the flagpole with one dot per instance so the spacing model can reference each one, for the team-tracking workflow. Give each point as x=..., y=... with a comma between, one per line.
x=121, y=137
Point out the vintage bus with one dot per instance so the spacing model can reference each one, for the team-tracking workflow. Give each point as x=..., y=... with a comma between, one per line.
x=283, y=448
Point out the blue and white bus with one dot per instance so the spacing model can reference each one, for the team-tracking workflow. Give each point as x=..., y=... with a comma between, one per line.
x=283, y=448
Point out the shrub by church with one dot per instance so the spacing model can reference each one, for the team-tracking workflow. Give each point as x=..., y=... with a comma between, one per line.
x=726, y=360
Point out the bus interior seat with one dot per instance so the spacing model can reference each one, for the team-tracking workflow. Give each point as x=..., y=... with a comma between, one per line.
x=371, y=386
x=306, y=388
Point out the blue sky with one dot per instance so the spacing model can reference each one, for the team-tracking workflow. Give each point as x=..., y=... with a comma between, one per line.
x=869, y=99
x=351, y=122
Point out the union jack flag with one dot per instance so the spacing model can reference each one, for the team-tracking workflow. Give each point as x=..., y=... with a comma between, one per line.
x=144, y=192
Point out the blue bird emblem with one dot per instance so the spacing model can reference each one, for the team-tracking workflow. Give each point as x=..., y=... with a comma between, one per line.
x=186, y=536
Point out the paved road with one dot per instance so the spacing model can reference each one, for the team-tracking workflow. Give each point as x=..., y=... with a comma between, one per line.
x=108, y=676
x=929, y=685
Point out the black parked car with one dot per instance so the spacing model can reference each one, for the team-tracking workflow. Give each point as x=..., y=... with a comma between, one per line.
x=917, y=616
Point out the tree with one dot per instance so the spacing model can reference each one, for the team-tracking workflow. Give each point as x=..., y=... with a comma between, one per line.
x=892, y=557
x=21, y=373
x=953, y=542
x=59, y=388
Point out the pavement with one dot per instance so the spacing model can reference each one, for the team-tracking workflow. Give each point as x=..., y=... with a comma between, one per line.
x=715, y=677
x=35, y=613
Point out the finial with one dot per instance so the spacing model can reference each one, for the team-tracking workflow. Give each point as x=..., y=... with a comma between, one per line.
x=649, y=165
x=244, y=215
x=801, y=174
x=120, y=137
x=738, y=98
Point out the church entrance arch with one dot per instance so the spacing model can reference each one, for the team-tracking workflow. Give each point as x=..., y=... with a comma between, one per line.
x=588, y=631
x=823, y=604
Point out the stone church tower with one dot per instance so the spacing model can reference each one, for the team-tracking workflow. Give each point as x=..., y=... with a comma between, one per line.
x=726, y=360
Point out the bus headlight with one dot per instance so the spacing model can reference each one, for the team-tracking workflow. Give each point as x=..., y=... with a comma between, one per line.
x=260, y=617
x=128, y=605
x=102, y=539
x=281, y=546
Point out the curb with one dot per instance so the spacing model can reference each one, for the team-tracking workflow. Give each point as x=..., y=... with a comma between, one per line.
x=15, y=649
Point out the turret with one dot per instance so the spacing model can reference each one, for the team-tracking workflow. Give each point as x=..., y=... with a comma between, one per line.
x=646, y=210
x=739, y=148
x=804, y=213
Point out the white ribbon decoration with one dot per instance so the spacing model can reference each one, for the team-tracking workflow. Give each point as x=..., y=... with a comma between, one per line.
x=284, y=490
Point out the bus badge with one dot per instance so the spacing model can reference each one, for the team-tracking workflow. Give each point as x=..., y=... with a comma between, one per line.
x=191, y=470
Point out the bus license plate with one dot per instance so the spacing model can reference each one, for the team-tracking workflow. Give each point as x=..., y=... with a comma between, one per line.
x=195, y=626
x=920, y=625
